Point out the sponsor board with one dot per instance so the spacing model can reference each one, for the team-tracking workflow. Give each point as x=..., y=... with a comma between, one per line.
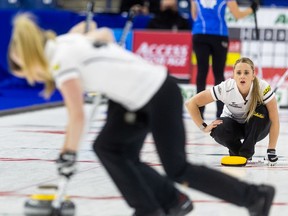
x=166, y=48
x=267, y=18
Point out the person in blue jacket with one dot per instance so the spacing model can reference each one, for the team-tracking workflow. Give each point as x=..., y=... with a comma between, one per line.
x=210, y=37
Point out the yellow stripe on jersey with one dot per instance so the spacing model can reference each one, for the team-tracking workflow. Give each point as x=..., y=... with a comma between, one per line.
x=266, y=90
x=56, y=67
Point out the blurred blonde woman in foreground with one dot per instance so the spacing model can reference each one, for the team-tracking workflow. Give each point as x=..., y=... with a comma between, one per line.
x=143, y=98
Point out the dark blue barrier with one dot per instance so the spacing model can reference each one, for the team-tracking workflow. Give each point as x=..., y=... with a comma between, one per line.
x=28, y=4
x=5, y=23
x=59, y=21
x=6, y=4
x=277, y=3
x=39, y=4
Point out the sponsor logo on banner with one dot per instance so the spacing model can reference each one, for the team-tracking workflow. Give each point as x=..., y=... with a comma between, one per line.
x=167, y=54
x=267, y=18
x=166, y=48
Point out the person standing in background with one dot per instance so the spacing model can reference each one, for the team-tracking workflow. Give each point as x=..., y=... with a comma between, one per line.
x=169, y=18
x=145, y=6
x=210, y=37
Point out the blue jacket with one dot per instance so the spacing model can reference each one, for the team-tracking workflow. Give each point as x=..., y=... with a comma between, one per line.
x=211, y=17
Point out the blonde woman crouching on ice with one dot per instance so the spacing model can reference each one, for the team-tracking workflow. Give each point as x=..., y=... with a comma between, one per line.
x=250, y=112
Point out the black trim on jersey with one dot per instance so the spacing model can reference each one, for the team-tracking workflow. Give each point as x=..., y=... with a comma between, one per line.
x=101, y=58
x=215, y=93
x=64, y=72
x=98, y=44
x=269, y=96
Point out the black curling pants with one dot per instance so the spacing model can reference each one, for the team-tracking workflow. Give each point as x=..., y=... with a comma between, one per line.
x=119, y=144
x=118, y=147
x=230, y=133
x=217, y=47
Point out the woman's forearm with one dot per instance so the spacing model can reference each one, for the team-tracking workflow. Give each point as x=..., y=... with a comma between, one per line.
x=74, y=133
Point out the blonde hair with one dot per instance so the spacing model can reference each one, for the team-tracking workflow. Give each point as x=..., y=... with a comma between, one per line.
x=28, y=42
x=256, y=96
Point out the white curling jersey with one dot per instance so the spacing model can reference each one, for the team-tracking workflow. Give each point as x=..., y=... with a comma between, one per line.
x=107, y=68
x=235, y=106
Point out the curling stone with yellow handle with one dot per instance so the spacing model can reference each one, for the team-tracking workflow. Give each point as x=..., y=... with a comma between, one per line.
x=234, y=161
x=40, y=204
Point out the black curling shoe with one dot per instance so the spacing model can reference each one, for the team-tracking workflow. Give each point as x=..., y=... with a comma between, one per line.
x=183, y=207
x=158, y=212
x=262, y=205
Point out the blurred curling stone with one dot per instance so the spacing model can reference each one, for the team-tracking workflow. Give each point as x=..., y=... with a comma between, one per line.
x=40, y=203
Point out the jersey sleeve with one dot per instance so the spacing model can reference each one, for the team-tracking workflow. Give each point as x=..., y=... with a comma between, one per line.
x=268, y=93
x=217, y=92
x=64, y=75
x=65, y=66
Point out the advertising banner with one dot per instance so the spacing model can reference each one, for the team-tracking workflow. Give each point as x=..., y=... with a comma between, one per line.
x=271, y=51
x=267, y=18
x=166, y=48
